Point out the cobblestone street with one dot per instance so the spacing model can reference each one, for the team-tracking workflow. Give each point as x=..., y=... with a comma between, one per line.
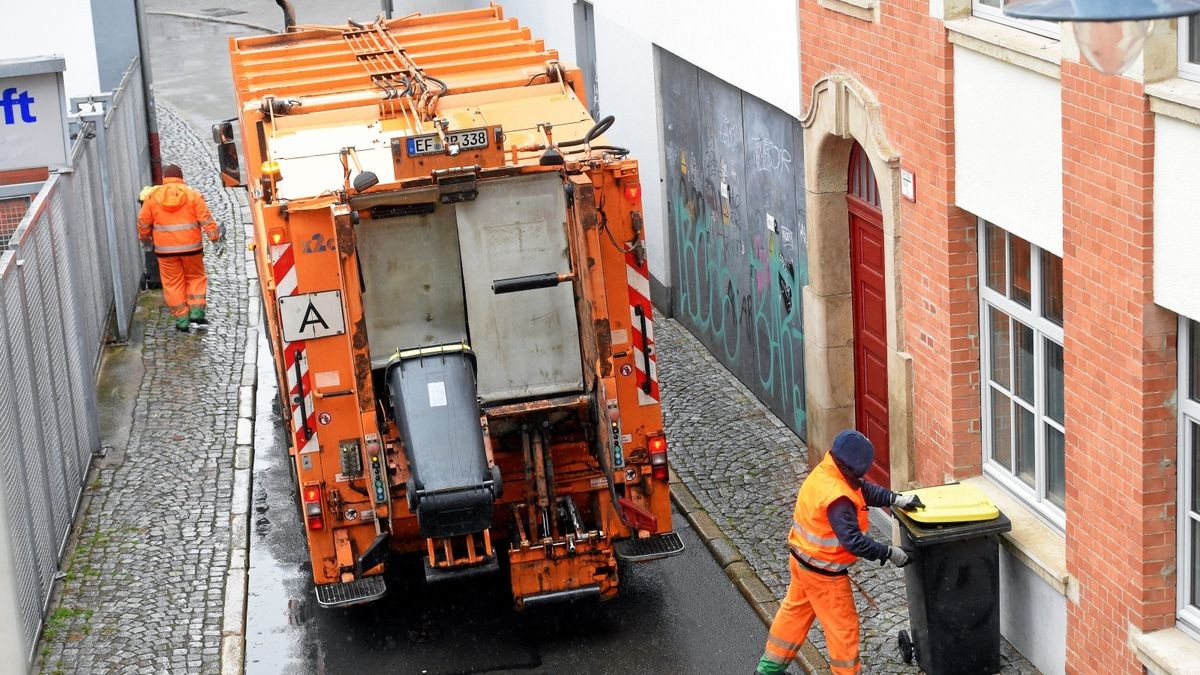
x=144, y=579
x=744, y=467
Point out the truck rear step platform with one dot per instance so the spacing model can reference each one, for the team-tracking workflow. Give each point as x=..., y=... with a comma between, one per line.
x=650, y=548
x=352, y=592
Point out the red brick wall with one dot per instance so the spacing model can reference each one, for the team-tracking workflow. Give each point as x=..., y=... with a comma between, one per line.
x=905, y=59
x=1120, y=372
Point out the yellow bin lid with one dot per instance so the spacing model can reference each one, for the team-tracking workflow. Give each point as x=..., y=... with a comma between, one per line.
x=953, y=503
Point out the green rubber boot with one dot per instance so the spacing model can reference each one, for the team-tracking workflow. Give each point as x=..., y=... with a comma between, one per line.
x=181, y=324
x=197, y=316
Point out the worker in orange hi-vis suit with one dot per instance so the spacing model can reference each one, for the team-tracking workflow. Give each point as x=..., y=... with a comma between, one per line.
x=827, y=537
x=172, y=218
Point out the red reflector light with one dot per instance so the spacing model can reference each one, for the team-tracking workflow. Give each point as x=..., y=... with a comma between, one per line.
x=312, y=493
x=632, y=192
x=276, y=237
x=658, y=457
x=316, y=523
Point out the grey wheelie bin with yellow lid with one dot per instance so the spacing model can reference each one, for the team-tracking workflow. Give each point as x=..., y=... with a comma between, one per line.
x=953, y=582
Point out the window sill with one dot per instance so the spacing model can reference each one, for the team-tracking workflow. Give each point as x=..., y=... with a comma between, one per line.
x=859, y=9
x=1176, y=97
x=1167, y=652
x=1011, y=45
x=1038, y=546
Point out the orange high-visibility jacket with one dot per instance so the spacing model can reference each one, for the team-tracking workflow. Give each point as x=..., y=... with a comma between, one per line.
x=812, y=537
x=175, y=214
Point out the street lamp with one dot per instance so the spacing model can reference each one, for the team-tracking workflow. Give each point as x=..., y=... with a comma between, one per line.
x=1110, y=33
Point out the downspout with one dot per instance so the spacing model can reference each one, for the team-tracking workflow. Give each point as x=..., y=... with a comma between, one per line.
x=289, y=14
x=148, y=92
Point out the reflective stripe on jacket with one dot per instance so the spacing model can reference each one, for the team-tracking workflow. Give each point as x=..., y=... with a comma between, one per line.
x=174, y=215
x=812, y=538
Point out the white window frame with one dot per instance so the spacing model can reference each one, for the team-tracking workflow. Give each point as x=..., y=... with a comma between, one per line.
x=1187, y=69
x=1050, y=29
x=1189, y=423
x=1043, y=329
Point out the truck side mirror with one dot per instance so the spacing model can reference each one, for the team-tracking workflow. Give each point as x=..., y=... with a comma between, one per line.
x=227, y=157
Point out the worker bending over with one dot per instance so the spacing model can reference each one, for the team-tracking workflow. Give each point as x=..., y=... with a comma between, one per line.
x=171, y=221
x=828, y=535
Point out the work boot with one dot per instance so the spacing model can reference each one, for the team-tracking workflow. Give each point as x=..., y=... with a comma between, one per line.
x=181, y=324
x=197, y=316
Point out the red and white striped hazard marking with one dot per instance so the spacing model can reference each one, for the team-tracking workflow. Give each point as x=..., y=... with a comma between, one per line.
x=639, y=298
x=283, y=261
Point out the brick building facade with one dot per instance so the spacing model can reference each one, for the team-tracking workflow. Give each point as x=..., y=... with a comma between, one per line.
x=1028, y=350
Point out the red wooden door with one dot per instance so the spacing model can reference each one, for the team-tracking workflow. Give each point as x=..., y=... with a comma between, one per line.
x=869, y=300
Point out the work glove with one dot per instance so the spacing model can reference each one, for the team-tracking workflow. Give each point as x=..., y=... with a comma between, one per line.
x=220, y=236
x=148, y=245
x=219, y=247
x=907, y=502
x=897, y=556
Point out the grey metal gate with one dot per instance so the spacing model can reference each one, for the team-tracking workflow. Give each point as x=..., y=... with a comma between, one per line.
x=739, y=248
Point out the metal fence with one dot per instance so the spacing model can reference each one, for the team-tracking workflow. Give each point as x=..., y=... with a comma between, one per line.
x=72, y=263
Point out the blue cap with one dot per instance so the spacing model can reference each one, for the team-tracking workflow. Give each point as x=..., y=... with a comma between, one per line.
x=854, y=451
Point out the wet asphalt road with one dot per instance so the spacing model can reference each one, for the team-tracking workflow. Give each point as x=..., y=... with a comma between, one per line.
x=680, y=615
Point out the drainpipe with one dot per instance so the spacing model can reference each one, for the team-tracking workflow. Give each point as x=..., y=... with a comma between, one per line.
x=289, y=15
x=148, y=91
x=387, y=8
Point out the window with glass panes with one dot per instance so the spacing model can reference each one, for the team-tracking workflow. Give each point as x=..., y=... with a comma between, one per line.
x=1021, y=312
x=1189, y=48
x=993, y=10
x=1189, y=473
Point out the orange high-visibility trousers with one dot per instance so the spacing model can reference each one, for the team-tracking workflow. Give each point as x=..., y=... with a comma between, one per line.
x=184, y=282
x=811, y=595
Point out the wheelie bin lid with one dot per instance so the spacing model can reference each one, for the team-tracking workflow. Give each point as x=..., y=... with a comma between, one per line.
x=952, y=511
x=952, y=503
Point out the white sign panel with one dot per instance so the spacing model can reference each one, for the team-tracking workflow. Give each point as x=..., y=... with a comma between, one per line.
x=312, y=315
x=33, y=123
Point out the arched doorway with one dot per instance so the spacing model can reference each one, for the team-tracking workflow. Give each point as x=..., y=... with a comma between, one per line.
x=868, y=296
x=842, y=196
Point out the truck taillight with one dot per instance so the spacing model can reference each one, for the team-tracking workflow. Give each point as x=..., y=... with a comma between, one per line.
x=277, y=236
x=633, y=191
x=658, y=456
x=311, y=496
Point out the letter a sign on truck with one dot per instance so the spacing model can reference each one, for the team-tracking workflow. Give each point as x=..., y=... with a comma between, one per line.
x=33, y=113
x=311, y=315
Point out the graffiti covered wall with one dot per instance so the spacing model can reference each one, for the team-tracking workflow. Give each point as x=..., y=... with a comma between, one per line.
x=739, y=254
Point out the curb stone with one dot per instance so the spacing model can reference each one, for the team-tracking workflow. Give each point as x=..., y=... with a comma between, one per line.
x=727, y=556
x=233, y=628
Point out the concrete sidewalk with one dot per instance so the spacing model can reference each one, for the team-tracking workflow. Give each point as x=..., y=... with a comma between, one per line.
x=143, y=584
x=737, y=469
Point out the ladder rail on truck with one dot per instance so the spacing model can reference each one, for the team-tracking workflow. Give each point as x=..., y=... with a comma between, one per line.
x=456, y=295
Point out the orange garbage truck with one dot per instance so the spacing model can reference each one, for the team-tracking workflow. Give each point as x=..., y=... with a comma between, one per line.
x=455, y=290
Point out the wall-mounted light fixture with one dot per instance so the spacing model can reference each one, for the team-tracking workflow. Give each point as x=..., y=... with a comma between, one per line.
x=1110, y=33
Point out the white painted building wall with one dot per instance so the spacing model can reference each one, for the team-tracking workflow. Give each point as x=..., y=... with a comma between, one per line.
x=1033, y=615
x=756, y=51
x=1176, y=219
x=63, y=27
x=1008, y=147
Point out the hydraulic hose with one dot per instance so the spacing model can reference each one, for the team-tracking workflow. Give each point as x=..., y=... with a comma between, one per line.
x=592, y=134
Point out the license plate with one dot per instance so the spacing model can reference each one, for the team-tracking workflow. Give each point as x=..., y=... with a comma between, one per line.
x=431, y=144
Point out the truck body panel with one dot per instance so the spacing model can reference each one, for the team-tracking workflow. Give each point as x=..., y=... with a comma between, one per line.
x=456, y=296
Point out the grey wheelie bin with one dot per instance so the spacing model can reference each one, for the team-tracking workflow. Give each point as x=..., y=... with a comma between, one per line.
x=953, y=582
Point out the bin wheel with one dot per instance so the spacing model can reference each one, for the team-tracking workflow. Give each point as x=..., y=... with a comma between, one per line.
x=906, y=646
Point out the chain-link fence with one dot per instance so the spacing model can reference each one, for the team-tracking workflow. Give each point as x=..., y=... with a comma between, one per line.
x=71, y=263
